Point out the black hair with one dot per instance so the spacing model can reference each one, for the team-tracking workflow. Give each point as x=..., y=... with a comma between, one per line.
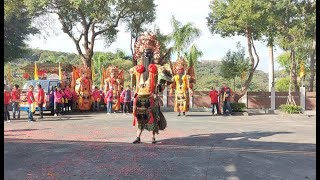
x=16, y=86
x=39, y=85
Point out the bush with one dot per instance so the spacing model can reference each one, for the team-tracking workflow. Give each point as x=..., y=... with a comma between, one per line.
x=291, y=109
x=238, y=107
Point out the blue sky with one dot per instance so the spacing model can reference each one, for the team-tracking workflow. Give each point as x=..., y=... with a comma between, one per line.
x=213, y=47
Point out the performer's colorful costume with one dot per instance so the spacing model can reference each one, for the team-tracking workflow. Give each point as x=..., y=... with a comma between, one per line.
x=148, y=76
x=83, y=87
x=113, y=77
x=183, y=80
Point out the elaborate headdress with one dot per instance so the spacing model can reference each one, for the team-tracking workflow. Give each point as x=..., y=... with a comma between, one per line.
x=180, y=66
x=146, y=40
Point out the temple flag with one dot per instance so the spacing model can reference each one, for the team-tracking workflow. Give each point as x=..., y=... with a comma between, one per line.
x=36, y=77
x=60, y=72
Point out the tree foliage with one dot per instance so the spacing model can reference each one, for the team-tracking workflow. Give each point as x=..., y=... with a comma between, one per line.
x=17, y=28
x=234, y=64
x=193, y=55
x=182, y=35
x=143, y=15
x=243, y=18
x=84, y=21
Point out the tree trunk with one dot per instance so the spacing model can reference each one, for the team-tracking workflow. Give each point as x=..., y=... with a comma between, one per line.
x=294, y=71
x=271, y=67
x=131, y=48
x=234, y=83
x=253, y=65
x=312, y=63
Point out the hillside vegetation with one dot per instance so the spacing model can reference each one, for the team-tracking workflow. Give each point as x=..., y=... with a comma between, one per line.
x=207, y=71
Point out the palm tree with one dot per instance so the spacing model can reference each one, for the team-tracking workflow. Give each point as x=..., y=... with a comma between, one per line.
x=182, y=35
x=193, y=55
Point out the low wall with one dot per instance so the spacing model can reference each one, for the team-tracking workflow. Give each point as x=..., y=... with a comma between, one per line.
x=255, y=100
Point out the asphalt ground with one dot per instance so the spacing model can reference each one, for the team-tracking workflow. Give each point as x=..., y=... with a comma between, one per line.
x=196, y=146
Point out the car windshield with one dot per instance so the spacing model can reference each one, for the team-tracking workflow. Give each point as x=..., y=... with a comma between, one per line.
x=44, y=85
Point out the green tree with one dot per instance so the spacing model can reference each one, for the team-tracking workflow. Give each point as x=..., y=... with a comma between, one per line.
x=17, y=28
x=143, y=15
x=193, y=55
x=243, y=18
x=282, y=84
x=182, y=35
x=296, y=26
x=234, y=64
x=84, y=21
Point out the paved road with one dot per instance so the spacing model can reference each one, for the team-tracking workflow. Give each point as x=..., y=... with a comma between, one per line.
x=199, y=146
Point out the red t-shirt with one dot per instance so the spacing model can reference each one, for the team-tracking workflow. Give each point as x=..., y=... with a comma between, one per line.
x=41, y=96
x=30, y=97
x=214, y=96
x=96, y=95
x=15, y=94
x=7, y=97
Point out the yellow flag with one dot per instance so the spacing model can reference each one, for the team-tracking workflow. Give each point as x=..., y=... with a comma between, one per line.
x=92, y=72
x=36, y=77
x=302, y=69
x=60, y=72
x=9, y=74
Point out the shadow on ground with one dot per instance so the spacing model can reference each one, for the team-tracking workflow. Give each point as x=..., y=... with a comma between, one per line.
x=200, y=156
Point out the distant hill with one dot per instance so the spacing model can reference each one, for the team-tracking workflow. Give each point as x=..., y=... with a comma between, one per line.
x=207, y=71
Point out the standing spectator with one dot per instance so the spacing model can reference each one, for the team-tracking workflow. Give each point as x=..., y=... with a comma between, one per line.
x=40, y=100
x=226, y=95
x=96, y=98
x=30, y=100
x=62, y=101
x=108, y=100
x=15, y=94
x=132, y=96
x=67, y=98
x=122, y=99
x=7, y=100
x=127, y=100
x=214, y=95
x=74, y=99
x=58, y=95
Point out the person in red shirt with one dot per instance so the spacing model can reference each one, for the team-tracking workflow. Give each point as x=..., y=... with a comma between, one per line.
x=67, y=98
x=96, y=98
x=15, y=95
x=30, y=100
x=122, y=99
x=40, y=100
x=108, y=100
x=214, y=94
x=7, y=100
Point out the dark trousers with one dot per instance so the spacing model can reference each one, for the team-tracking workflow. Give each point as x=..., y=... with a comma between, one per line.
x=57, y=108
x=6, y=113
x=40, y=105
x=109, y=108
x=217, y=107
x=121, y=107
x=227, y=106
x=15, y=109
x=127, y=107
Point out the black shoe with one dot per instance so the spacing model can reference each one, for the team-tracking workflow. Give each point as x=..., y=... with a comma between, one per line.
x=179, y=114
x=154, y=141
x=184, y=113
x=137, y=141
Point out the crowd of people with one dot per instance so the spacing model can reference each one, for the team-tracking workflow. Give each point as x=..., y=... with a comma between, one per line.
x=64, y=100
